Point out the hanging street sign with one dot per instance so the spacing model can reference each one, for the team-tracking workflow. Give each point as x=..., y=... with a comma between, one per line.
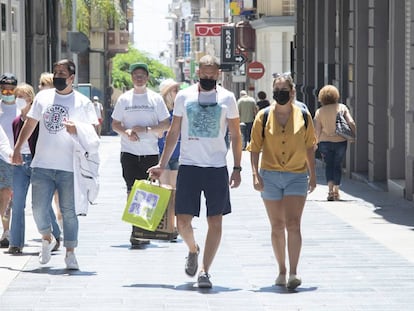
x=228, y=47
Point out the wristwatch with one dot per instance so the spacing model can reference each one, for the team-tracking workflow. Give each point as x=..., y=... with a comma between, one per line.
x=237, y=168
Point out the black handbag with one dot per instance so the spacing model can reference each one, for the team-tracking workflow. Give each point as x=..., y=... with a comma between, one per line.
x=342, y=127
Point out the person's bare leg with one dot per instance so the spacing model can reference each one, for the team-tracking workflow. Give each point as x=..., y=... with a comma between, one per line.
x=294, y=210
x=213, y=239
x=185, y=229
x=276, y=215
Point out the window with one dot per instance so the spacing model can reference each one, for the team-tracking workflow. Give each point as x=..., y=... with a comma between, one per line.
x=3, y=17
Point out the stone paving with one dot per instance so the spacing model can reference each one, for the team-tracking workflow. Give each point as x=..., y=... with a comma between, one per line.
x=358, y=254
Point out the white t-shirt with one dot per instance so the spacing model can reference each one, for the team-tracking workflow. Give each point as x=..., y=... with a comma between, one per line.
x=54, y=148
x=204, y=125
x=7, y=114
x=146, y=109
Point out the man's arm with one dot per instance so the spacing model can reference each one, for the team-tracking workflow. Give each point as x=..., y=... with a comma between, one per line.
x=118, y=127
x=171, y=139
x=236, y=146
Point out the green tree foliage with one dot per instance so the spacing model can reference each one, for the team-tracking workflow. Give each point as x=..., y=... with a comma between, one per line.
x=107, y=11
x=121, y=76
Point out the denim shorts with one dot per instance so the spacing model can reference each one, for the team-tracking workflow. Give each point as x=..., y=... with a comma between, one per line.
x=172, y=165
x=213, y=181
x=6, y=175
x=280, y=184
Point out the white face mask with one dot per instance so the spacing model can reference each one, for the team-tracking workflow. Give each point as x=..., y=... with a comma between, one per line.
x=20, y=103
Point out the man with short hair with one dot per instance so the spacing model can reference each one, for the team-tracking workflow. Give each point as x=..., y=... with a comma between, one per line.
x=202, y=114
x=9, y=111
x=59, y=112
x=140, y=116
x=247, y=110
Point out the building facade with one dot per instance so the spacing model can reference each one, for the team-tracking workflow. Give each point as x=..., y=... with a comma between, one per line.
x=365, y=48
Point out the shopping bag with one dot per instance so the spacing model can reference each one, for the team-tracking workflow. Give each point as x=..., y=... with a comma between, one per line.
x=146, y=204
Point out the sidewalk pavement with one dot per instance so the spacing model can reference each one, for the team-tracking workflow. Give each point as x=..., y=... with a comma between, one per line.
x=358, y=254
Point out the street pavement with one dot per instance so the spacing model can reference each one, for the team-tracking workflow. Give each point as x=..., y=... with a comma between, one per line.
x=357, y=254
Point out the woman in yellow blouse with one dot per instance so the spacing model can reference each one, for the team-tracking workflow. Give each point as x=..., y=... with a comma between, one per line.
x=286, y=172
x=331, y=146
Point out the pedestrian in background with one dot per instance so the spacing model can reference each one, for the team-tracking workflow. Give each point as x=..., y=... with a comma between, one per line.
x=247, y=111
x=8, y=111
x=286, y=173
x=22, y=173
x=99, y=113
x=168, y=90
x=262, y=102
x=202, y=113
x=140, y=116
x=331, y=146
x=52, y=165
x=46, y=82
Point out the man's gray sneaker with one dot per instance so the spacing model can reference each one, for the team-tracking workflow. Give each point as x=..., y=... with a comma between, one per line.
x=191, y=264
x=204, y=280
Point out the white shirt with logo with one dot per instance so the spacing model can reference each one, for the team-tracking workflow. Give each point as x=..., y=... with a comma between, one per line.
x=146, y=109
x=54, y=148
x=204, y=125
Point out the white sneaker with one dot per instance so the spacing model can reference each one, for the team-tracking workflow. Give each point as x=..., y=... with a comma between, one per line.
x=71, y=262
x=46, y=251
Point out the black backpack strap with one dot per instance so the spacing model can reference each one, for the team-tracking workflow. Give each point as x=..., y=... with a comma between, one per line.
x=266, y=115
x=305, y=117
x=264, y=121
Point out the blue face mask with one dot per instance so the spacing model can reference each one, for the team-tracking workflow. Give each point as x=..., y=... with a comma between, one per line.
x=8, y=98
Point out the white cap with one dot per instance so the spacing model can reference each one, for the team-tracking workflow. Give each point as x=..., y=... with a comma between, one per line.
x=95, y=98
x=243, y=93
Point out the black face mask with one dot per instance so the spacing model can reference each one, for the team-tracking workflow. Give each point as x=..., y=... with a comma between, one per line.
x=207, y=84
x=282, y=97
x=60, y=83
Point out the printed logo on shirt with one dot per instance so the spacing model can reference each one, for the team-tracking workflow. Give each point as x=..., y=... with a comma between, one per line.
x=203, y=120
x=53, y=118
x=140, y=107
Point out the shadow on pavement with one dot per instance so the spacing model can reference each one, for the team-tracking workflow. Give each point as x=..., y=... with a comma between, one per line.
x=391, y=207
x=189, y=286
x=51, y=271
x=283, y=290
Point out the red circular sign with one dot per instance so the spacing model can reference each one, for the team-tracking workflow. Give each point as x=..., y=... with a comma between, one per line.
x=255, y=70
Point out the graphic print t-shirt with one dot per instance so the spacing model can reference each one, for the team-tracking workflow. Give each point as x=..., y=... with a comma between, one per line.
x=54, y=148
x=146, y=109
x=204, y=125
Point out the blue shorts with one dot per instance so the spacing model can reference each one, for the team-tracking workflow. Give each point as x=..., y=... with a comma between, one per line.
x=6, y=175
x=172, y=165
x=280, y=184
x=213, y=181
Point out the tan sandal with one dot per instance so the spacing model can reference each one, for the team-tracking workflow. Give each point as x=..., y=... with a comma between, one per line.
x=331, y=196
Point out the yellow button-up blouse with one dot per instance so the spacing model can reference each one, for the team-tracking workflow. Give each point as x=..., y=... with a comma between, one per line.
x=283, y=148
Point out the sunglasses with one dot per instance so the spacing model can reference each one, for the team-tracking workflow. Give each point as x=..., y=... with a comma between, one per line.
x=7, y=92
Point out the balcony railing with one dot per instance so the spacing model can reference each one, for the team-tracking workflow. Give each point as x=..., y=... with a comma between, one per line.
x=118, y=41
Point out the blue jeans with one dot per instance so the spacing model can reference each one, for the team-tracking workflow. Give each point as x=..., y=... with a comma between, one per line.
x=44, y=184
x=333, y=154
x=21, y=182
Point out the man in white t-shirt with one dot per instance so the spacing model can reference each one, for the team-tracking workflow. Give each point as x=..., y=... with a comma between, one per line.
x=202, y=114
x=140, y=116
x=57, y=111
